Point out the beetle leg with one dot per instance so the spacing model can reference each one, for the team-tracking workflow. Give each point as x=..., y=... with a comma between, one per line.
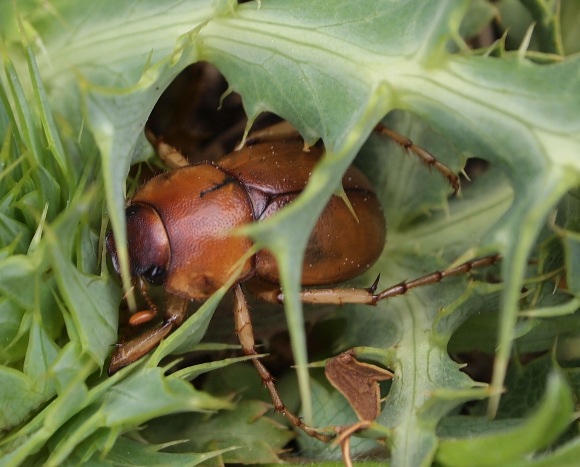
x=428, y=159
x=339, y=296
x=128, y=352
x=435, y=277
x=131, y=351
x=167, y=153
x=344, y=439
x=245, y=332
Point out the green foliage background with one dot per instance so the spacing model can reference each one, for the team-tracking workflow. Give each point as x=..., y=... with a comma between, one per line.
x=78, y=83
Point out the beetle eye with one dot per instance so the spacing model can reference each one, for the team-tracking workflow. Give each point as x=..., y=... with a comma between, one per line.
x=155, y=275
x=147, y=242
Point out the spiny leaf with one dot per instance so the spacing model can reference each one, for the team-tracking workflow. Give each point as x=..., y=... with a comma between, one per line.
x=334, y=69
x=246, y=431
x=505, y=446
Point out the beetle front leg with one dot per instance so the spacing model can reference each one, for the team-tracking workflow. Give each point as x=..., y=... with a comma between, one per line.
x=340, y=296
x=131, y=351
x=245, y=332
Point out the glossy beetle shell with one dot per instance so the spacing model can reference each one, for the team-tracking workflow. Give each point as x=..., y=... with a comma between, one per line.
x=199, y=205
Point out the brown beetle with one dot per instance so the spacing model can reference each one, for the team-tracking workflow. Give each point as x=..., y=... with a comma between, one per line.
x=179, y=224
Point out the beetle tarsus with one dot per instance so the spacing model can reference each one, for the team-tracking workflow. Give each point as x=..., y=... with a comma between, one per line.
x=436, y=276
x=427, y=158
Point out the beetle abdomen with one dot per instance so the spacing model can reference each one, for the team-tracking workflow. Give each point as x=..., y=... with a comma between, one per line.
x=340, y=246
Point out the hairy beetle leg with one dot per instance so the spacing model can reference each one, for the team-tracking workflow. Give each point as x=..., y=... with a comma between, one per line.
x=244, y=330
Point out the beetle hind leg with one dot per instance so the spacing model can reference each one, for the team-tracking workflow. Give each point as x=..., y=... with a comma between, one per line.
x=244, y=330
x=369, y=296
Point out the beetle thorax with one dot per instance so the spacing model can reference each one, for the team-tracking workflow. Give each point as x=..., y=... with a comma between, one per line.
x=199, y=207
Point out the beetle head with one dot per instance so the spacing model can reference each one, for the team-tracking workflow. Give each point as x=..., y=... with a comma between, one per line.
x=147, y=243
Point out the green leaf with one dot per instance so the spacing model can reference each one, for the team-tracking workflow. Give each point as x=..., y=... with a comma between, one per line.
x=547, y=422
x=11, y=319
x=88, y=77
x=570, y=234
x=564, y=456
x=19, y=397
x=129, y=402
x=129, y=452
x=245, y=434
x=92, y=300
x=541, y=161
x=17, y=280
